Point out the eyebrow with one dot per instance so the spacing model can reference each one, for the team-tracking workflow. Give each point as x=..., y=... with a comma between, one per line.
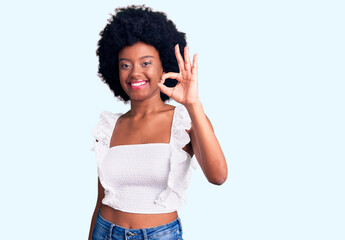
x=124, y=59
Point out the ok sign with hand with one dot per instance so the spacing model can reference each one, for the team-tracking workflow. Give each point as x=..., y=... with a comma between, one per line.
x=186, y=90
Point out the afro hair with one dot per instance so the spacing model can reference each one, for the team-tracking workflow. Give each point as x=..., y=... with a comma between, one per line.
x=128, y=26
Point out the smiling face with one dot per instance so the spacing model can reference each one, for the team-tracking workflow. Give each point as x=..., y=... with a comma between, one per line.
x=140, y=69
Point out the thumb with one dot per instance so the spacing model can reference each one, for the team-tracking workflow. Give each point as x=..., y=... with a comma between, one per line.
x=166, y=90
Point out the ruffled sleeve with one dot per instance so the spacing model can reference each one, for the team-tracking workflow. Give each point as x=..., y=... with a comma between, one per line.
x=180, y=162
x=102, y=133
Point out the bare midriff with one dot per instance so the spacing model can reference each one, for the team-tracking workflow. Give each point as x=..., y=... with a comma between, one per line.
x=136, y=220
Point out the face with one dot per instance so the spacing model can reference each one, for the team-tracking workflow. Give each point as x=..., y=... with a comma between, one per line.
x=140, y=69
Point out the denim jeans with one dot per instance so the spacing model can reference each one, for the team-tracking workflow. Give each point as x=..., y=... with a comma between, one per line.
x=105, y=230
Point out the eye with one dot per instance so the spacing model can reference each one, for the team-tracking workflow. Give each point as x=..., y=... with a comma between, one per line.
x=124, y=66
x=146, y=63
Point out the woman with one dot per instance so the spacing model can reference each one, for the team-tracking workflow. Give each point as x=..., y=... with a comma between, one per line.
x=145, y=155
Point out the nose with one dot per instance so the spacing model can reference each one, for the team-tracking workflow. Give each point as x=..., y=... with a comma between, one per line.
x=136, y=72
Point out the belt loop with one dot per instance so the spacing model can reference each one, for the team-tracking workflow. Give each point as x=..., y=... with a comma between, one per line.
x=144, y=233
x=111, y=230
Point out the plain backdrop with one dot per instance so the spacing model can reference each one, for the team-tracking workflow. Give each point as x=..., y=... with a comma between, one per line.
x=271, y=80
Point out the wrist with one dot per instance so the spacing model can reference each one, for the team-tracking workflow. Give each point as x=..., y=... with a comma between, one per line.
x=191, y=107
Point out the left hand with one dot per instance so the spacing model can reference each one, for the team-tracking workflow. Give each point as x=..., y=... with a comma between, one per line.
x=186, y=90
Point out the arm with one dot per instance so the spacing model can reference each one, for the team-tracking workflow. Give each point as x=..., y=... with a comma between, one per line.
x=206, y=146
x=98, y=206
x=204, y=142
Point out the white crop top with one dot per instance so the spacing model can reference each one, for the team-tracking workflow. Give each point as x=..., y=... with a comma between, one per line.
x=144, y=178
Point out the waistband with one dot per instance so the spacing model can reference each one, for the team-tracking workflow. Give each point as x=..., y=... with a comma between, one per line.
x=144, y=233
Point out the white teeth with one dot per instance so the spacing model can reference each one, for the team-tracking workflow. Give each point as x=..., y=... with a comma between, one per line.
x=137, y=84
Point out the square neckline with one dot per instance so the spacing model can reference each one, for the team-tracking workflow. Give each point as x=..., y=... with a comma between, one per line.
x=142, y=144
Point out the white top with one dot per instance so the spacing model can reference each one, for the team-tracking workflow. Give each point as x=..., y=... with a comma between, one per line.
x=144, y=178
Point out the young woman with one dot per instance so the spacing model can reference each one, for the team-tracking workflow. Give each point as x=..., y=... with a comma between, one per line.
x=145, y=156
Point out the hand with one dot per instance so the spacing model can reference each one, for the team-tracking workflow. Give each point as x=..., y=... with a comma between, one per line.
x=186, y=90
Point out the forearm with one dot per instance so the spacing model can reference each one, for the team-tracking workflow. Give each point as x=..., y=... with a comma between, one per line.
x=211, y=156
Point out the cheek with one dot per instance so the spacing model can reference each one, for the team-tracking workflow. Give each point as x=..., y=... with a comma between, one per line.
x=157, y=72
x=123, y=76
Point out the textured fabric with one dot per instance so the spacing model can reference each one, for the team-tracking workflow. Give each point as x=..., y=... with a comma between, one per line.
x=144, y=178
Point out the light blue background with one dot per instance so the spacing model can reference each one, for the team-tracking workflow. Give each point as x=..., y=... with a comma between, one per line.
x=271, y=80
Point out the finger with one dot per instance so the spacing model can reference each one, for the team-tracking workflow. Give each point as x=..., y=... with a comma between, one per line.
x=171, y=75
x=195, y=64
x=179, y=58
x=186, y=59
x=166, y=90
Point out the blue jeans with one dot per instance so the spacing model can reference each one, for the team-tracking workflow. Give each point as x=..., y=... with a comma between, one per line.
x=105, y=230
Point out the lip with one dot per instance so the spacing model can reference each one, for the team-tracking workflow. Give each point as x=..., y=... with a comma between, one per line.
x=137, y=81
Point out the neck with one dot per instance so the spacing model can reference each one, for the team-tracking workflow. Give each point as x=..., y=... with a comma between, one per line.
x=142, y=108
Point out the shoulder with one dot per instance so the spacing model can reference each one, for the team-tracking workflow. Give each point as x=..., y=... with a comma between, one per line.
x=109, y=116
x=105, y=124
x=182, y=117
x=181, y=126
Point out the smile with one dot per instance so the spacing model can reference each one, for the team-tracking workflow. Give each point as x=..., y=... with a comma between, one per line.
x=137, y=84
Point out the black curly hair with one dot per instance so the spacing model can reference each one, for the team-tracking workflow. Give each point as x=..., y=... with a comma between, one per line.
x=128, y=26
